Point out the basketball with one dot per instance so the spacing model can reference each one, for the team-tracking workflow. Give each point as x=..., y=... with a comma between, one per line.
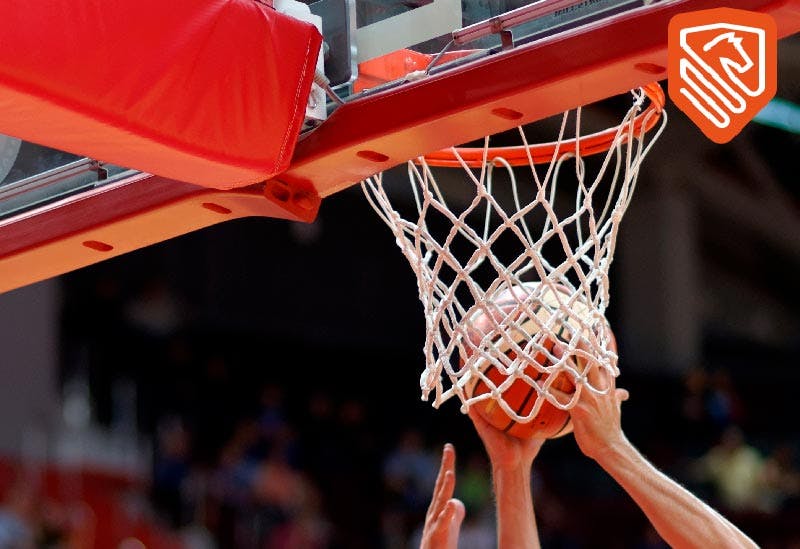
x=550, y=421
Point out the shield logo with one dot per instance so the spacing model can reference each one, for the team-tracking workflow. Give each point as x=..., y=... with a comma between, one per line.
x=722, y=68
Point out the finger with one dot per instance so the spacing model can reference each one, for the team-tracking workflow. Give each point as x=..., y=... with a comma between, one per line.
x=445, y=480
x=598, y=377
x=449, y=457
x=579, y=362
x=454, y=511
x=437, y=487
x=447, y=488
x=622, y=395
x=445, y=492
x=447, y=525
x=583, y=344
x=558, y=350
x=564, y=399
x=458, y=513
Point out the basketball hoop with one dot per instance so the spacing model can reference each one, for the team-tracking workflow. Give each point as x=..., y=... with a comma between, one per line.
x=518, y=218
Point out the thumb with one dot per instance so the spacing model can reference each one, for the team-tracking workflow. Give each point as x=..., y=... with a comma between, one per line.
x=563, y=398
x=622, y=395
x=456, y=511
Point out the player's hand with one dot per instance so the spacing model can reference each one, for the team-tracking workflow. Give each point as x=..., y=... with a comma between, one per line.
x=505, y=451
x=445, y=513
x=596, y=418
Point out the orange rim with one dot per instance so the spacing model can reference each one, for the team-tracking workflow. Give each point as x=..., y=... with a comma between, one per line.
x=520, y=155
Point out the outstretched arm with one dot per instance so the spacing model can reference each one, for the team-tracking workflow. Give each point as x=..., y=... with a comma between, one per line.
x=445, y=513
x=682, y=519
x=511, y=460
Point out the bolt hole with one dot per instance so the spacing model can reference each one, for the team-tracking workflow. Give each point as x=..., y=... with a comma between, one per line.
x=372, y=156
x=216, y=208
x=508, y=114
x=650, y=68
x=98, y=246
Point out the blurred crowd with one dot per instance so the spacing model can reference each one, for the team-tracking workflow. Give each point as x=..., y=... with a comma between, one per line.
x=261, y=443
x=325, y=471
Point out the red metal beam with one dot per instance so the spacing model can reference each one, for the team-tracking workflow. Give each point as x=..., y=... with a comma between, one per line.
x=578, y=67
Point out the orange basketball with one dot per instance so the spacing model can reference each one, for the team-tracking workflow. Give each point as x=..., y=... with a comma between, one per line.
x=550, y=421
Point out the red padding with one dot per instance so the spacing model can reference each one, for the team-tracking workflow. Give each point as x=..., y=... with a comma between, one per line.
x=211, y=92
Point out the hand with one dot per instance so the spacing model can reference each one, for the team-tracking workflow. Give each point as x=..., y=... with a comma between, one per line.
x=505, y=451
x=512, y=459
x=596, y=418
x=445, y=513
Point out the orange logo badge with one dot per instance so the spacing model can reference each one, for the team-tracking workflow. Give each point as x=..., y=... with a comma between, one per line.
x=722, y=68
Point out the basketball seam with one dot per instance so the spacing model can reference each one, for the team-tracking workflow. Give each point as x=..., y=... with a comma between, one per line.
x=531, y=389
x=564, y=426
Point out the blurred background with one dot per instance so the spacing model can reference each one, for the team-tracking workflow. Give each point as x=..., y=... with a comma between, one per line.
x=256, y=384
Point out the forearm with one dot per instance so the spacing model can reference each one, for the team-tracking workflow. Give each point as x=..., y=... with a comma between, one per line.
x=682, y=519
x=516, y=521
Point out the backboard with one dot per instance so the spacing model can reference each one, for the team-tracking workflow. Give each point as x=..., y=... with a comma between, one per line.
x=59, y=212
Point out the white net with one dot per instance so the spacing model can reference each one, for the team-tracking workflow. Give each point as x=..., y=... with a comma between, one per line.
x=511, y=259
